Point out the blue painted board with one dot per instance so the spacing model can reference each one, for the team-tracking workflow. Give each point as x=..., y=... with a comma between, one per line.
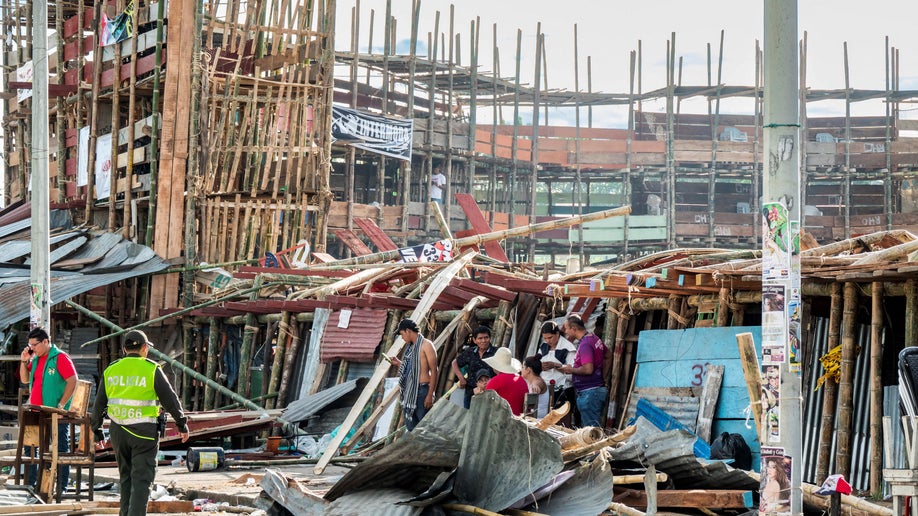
x=677, y=358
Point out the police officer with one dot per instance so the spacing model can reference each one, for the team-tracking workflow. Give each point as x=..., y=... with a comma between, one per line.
x=132, y=390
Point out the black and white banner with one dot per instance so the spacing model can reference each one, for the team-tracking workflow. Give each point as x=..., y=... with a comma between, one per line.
x=375, y=133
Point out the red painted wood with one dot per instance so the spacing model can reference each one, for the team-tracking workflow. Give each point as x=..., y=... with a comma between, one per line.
x=480, y=225
x=353, y=242
x=484, y=289
x=376, y=235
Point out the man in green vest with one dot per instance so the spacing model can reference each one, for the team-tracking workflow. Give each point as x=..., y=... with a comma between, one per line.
x=133, y=389
x=52, y=379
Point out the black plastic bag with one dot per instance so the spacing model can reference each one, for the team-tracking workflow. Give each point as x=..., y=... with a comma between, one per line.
x=732, y=446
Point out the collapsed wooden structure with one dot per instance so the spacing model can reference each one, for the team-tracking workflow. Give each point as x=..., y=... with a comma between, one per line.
x=219, y=151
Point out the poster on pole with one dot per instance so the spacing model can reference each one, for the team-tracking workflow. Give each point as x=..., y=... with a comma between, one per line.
x=439, y=251
x=771, y=401
x=776, y=238
x=775, y=484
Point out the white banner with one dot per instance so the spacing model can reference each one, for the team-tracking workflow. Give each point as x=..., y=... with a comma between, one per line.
x=103, y=166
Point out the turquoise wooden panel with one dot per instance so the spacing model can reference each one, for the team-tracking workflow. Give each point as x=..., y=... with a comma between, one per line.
x=677, y=358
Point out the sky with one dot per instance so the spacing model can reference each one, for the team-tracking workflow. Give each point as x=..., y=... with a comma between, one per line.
x=608, y=30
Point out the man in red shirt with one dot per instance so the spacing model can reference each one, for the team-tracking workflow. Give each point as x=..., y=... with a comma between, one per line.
x=508, y=383
x=52, y=378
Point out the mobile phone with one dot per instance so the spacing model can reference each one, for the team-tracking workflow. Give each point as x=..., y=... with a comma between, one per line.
x=31, y=351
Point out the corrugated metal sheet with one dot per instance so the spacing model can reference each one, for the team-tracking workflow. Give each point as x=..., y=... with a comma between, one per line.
x=503, y=459
x=672, y=452
x=301, y=409
x=414, y=461
x=378, y=502
x=14, y=289
x=358, y=341
x=588, y=491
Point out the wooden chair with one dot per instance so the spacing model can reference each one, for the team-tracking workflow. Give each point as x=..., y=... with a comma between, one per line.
x=38, y=428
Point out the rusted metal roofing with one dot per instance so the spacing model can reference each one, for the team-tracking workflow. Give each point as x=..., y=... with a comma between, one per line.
x=356, y=341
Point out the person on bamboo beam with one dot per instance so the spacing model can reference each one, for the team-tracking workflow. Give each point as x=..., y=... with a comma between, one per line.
x=472, y=359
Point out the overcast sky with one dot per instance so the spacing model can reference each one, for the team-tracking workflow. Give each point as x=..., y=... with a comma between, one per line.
x=609, y=30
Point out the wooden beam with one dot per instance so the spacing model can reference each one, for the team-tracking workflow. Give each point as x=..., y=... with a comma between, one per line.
x=695, y=498
x=480, y=225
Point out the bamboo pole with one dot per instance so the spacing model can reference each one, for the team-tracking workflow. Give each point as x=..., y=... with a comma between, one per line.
x=284, y=337
x=712, y=175
x=174, y=363
x=514, y=144
x=94, y=115
x=830, y=389
x=846, y=185
x=578, y=180
x=846, y=384
x=450, y=71
x=248, y=338
x=534, y=158
x=412, y=68
x=473, y=103
x=213, y=342
x=876, y=387
x=287, y=373
x=492, y=236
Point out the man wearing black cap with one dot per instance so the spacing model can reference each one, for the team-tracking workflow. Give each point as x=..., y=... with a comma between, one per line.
x=132, y=390
x=417, y=373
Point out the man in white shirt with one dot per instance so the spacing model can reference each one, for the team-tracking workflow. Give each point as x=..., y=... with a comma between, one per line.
x=556, y=351
x=437, y=182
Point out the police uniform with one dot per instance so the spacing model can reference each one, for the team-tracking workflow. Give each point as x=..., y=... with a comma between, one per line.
x=133, y=389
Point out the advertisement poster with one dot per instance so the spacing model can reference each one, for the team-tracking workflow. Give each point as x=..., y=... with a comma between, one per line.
x=776, y=239
x=771, y=398
x=775, y=487
x=774, y=320
x=439, y=251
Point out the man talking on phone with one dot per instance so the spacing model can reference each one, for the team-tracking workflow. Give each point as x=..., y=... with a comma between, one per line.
x=52, y=378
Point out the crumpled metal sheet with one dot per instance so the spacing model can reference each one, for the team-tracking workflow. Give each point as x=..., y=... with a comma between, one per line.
x=672, y=452
x=378, y=502
x=291, y=495
x=415, y=459
x=588, y=491
x=503, y=459
x=301, y=409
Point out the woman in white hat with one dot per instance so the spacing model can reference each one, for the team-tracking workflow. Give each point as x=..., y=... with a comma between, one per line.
x=508, y=383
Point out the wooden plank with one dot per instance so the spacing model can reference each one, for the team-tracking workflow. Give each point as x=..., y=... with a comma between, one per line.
x=480, y=225
x=713, y=378
x=352, y=241
x=696, y=498
x=375, y=234
x=440, y=282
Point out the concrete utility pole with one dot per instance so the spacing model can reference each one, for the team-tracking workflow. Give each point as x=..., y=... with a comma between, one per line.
x=40, y=277
x=781, y=431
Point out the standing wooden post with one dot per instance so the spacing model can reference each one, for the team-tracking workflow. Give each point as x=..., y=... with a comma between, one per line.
x=846, y=385
x=911, y=310
x=876, y=387
x=723, y=308
x=830, y=390
x=753, y=376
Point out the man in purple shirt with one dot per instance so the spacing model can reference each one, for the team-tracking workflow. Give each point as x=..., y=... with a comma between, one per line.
x=587, y=373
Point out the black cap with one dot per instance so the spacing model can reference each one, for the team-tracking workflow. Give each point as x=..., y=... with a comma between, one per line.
x=407, y=324
x=482, y=372
x=135, y=339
